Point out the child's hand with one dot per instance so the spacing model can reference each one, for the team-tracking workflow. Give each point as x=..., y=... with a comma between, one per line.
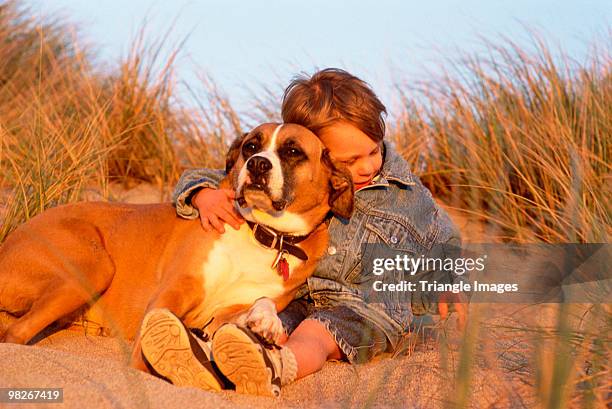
x=216, y=207
x=460, y=304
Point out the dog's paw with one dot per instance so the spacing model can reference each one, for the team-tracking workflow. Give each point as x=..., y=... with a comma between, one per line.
x=262, y=320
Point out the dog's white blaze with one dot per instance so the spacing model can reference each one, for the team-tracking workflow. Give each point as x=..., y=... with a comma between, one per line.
x=272, y=145
x=238, y=271
x=276, y=176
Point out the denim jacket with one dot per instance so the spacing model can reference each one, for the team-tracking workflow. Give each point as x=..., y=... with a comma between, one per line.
x=396, y=210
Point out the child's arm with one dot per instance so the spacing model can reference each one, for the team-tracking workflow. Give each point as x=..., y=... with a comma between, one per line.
x=197, y=194
x=460, y=305
x=191, y=182
x=452, y=237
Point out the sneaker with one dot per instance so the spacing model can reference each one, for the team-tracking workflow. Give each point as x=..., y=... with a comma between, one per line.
x=253, y=367
x=171, y=352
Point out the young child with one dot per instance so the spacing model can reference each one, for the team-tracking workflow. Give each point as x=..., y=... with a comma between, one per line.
x=330, y=319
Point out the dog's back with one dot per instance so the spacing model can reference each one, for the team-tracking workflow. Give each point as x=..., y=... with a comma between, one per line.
x=72, y=248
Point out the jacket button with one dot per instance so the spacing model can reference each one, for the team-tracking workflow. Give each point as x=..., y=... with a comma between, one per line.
x=393, y=239
x=331, y=250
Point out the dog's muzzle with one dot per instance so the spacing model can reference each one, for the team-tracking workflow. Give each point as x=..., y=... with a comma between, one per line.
x=259, y=170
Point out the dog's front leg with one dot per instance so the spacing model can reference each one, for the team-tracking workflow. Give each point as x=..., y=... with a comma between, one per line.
x=136, y=360
x=262, y=319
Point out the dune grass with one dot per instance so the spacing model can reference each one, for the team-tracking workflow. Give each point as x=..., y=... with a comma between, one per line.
x=518, y=139
x=67, y=125
x=521, y=140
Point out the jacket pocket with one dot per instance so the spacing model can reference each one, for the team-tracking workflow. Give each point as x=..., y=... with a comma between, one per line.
x=396, y=234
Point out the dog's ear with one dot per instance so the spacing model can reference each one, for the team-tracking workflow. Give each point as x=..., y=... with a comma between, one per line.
x=233, y=153
x=340, y=187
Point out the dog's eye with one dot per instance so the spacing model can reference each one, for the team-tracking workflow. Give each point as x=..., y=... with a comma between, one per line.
x=293, y=152
x=249, y=148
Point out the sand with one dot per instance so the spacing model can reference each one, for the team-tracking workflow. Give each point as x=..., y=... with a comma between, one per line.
x=93, y=372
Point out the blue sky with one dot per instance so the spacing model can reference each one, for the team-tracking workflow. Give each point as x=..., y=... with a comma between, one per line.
x=244, y=44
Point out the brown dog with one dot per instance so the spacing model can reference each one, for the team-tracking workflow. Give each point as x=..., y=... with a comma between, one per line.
x=110, y=263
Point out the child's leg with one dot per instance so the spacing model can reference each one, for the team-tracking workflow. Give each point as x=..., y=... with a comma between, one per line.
x=312, y=345
x=257, y=368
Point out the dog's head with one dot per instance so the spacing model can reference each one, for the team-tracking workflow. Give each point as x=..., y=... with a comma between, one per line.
x=284, y=178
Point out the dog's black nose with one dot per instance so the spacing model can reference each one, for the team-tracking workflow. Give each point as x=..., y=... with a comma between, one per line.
x=258, y=165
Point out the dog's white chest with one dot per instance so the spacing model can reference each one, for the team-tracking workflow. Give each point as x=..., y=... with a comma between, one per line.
x=238, y=270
